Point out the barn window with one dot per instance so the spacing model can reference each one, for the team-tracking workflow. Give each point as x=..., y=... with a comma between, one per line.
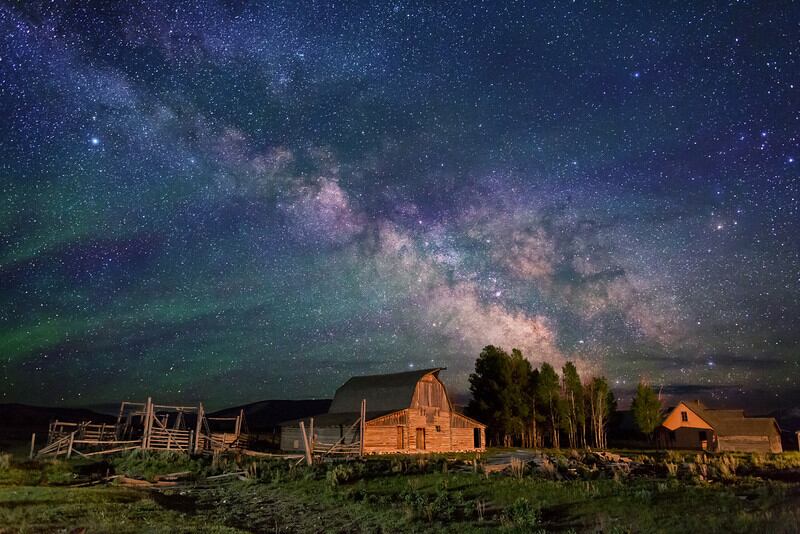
x=438, y=428
x=296, y=444
x=684, y=416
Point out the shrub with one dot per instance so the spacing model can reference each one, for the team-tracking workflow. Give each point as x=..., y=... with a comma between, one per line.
x=57, y=472
x=726, y=466
x=339, y=475
x=643, y=495
x=548, y=468
x=480, y=508
x=442, y=505
x=672, y=469
x=518, y=467
x=5, y=461
x=148, y=464
x=522, y=514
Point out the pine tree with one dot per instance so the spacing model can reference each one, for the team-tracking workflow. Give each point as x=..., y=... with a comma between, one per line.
x=488, y=385
x=517, y=395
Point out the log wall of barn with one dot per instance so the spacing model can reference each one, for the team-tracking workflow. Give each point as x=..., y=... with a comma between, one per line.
x=440, y=434
x=463, y=434
x=463, y=439
x=381, y=433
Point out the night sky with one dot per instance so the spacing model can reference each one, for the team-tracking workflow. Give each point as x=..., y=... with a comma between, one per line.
x=236, y=201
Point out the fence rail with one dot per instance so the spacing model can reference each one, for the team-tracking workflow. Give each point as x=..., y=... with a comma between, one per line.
x=146, y=426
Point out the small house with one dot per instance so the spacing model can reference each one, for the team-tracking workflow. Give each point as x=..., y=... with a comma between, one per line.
x=403, y=412
x=691, y=425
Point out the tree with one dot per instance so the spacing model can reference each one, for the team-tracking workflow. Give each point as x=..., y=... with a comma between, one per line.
x=516, y=396
x=575, y=417
x=535, y=415
x=548, y=396
x=601, y=404
x=488, y=386
x=646, y=409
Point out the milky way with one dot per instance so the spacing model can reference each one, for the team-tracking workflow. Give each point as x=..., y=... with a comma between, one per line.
x=235, y=201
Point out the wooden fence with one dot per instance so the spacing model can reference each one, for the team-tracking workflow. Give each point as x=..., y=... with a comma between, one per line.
x=146, y=426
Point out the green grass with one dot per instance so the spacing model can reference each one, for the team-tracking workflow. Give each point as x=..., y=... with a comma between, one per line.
x=396, y=494
x=41, y=508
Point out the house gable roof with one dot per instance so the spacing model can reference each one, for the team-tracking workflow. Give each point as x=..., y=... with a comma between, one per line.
x=383, y=393
x=696, y=417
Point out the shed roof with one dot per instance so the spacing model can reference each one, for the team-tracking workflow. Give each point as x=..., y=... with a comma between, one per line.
x=384, y=393
x=344, y=419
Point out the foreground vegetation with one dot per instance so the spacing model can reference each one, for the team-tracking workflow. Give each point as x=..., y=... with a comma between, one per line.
x=556, y=492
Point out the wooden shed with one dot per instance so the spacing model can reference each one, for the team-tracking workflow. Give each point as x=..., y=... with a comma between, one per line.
x=691, y=425
x=405, y=412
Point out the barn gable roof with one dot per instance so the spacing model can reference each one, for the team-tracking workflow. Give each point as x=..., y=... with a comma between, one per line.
x=733, y=422
x=384, y=393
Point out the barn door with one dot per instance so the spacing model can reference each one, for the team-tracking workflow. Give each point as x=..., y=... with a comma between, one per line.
x=421, y=438
x=401, y=437
x=476, y=438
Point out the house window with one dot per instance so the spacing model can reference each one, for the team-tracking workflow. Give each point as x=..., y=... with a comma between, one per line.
x=438, y=428
x=684, y=416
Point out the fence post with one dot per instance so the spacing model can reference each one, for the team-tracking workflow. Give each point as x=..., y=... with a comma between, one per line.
x=148, y=423
x=311, y=433
x=363, y=425
x=71, y=440
x=33, y=444
x=305, y=443
x=198, y=427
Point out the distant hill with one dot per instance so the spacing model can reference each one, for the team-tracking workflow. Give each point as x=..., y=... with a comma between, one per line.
x=18, y=421
x=14, y=415
x=265, y=415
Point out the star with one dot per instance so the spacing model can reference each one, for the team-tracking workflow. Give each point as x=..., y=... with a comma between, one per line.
x=266, y=194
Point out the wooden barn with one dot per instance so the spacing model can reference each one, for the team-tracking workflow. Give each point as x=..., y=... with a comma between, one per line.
x=403, y=413
x=691, y=425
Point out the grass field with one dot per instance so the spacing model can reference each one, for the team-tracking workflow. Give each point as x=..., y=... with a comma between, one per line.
x=671, y=493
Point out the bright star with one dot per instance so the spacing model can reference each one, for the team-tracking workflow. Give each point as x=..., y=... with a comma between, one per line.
x=95, y=141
